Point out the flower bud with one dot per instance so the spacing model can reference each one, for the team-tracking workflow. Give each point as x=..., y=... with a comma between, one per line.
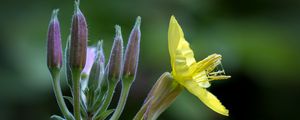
x=132, y=51
x=114, y=66
x=79, y=34
x=90, y=58
x=54, y=49
x=97, y=70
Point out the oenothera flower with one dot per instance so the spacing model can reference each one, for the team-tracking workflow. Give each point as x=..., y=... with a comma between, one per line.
x=194, y=76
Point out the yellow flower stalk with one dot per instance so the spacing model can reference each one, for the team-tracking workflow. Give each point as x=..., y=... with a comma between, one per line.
x=194, y=76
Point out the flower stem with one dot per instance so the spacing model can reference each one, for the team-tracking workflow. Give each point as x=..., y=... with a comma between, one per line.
x=58, y=94
x=76, y=74
x=122, y=101
x=110, y=94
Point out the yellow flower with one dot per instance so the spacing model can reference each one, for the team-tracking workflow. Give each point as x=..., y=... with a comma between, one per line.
x=194, y=76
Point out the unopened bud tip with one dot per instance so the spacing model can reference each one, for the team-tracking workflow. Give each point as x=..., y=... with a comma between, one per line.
x=118, y=31
x=54, y=14
x=138, y=21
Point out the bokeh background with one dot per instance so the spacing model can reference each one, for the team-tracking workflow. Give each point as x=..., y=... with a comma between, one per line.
x=259, y=41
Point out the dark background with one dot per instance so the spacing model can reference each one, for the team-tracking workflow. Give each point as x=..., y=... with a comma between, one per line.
x=259, y=41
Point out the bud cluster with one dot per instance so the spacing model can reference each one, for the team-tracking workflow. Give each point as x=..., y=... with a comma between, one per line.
x=91, y=81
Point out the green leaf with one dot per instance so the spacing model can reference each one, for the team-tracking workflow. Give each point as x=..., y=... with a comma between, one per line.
x=104, y=115
x=70, y=99
x=83, y=108
x=99, y=101
x=82, y=103
x=100, y=95
x=66, y=59
x=56, y=117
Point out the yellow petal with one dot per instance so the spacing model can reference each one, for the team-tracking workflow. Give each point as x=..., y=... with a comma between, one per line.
x=206, y=97
x=174, y=35
x=208, y=64
x=182, y=56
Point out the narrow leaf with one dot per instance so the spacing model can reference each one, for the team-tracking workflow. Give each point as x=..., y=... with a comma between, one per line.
x=104, y=115
x=70, y=99
x=56, y=117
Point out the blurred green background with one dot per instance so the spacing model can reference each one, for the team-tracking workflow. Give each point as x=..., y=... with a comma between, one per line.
x=259, y=41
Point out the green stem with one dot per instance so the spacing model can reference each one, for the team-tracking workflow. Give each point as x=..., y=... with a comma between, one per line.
x=110, y=94
x=76, y=89
x=58, y=94
x=122, y=101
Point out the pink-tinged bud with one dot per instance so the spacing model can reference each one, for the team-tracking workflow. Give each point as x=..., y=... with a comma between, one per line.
x=114, y=67
x=79, y=36
x=132, y=51
x=90, y=58
x=97, y=69
x=100, y=57
x=54, y=49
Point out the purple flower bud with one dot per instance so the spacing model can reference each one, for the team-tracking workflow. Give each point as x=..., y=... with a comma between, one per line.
x=114, y=67
x=132, y=51
x=79, y=36
x=54, y=49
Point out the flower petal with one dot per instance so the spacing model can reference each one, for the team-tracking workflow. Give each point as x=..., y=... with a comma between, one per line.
x=206, y=97
x=182, y=56
x=174, y=34
x=208, y=64
x=90, y=58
